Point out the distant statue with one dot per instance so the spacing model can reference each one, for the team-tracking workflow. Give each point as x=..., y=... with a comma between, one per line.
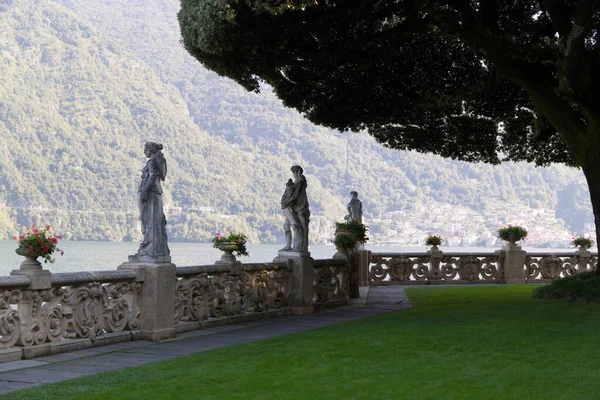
x=151, y=204
x=294, y=204
x=354, y=208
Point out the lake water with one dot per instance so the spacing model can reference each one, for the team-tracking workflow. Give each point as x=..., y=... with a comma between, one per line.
x=97, y=256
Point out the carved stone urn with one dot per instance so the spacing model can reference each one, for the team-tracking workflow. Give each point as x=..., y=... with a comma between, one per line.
x=31, y=262
x=228, y=249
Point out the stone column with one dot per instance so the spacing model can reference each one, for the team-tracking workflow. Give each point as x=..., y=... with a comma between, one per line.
x=364, y=260
x=353, y=269
x=157, y=302
x=302, y=280
x=29, y=308
x=514, y=264
x=32, y=268
x=435, y=259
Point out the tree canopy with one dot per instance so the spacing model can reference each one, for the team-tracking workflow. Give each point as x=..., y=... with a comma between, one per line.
x=438, y=77
x=487, y=80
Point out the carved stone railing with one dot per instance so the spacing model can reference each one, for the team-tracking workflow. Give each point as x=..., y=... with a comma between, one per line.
x=546, y=267
x=79, y=305
x=216, y=291
x=423, y=268
x=43, y=313
x=331, y=283
x=509, y=264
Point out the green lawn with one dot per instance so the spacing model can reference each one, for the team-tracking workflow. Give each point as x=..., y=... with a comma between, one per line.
x=490, y=342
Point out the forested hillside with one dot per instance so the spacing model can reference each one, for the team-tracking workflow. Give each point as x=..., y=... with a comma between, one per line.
x=85, y=83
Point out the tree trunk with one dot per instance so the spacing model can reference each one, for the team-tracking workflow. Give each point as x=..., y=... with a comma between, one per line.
x=591, y=170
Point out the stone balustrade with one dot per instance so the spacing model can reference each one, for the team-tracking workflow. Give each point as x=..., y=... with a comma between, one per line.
x=43, y=313
x=331, y=284
x=507, y=265
x=78, y=307
x=213, y=294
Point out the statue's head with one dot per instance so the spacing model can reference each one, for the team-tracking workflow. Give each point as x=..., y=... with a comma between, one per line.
x=354, y=194
x=297, y=171
x=151, y=148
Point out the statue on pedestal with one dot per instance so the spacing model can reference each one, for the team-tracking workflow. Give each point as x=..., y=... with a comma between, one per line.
x=150, y=204
x=294, y=204
x=354, y=208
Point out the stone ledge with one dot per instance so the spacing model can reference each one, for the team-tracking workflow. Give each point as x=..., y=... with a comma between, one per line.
x=181, y=327
x=187, y=326
x=38, y=350
x=112, y=338
x=329, y=304
x=66, y=345
x=11, y=354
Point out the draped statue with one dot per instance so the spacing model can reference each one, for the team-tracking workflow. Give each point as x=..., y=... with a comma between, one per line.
x=151, y=204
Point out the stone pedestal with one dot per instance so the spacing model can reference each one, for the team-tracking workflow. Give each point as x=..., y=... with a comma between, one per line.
x=137, y=259
x=40, y=278
x=583, y=258
x=157, y=303
x=435, y=258
x=514, y=264
x=364, y=260
x=341, y=255
x=302, y=280
x=353, y=267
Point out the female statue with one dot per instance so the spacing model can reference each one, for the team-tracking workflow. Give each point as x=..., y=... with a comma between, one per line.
x=151, y=204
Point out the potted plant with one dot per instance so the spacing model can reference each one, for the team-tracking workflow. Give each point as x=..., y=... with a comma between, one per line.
x=433, y=240
x=231, y=244
x=348, y=234
x=512, y=233
x=36, y=243
x=582, y=242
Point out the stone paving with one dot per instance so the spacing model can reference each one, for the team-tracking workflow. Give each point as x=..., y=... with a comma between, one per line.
x=24, y=374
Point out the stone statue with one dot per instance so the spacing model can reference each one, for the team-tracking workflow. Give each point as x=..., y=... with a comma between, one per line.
x=294, y=204
x=354, y=208
x=287, y=212
x=150, y=204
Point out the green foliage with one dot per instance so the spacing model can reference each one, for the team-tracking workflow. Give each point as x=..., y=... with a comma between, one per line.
x=517, y=232
x=235, y=239
x=433, y=240
x=582, y=242
x=583, y=286
x=38, y=242
x=352, y=65
x=348, y=234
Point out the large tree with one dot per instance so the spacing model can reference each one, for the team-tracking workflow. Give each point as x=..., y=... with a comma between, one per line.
x=488, y=80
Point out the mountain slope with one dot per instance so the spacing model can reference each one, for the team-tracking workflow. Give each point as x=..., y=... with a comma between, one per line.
x=87, y=82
